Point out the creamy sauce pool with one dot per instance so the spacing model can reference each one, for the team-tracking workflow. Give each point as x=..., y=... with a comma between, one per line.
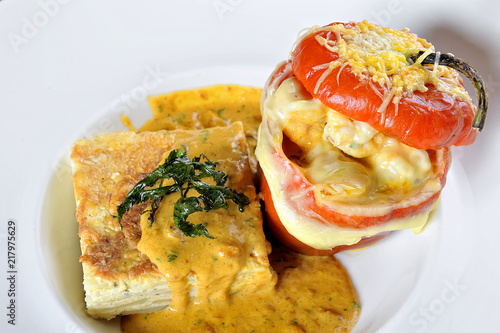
x=313, y=294
x=227, y=284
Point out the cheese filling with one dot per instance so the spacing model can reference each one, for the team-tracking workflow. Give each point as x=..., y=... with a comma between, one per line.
x=354, y=168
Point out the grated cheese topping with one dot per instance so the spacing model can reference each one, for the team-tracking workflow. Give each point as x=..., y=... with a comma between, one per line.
x=380, y=55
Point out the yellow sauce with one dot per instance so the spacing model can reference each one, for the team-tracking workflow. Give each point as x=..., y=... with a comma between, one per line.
x=227, y=284
x=217, y=105
x=236, y=259
x=313, y=294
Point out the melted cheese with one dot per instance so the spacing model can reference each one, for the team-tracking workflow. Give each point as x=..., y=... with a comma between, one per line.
x=396, y=162
x=354, y=169
x=321, y=236
x=335, y=173
x=355, y=138
x=381, y=55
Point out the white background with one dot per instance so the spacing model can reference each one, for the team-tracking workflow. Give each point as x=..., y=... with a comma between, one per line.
x=69, y=68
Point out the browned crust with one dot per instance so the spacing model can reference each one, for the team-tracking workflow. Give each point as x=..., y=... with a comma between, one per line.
x=106, y=167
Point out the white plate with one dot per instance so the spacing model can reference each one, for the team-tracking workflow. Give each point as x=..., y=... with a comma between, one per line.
x=79, y=65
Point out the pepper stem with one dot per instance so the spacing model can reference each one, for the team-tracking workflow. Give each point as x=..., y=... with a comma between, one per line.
x=469, y=71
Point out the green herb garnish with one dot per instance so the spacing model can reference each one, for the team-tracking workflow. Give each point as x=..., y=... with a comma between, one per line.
x=172, y=256
x=204, y=135
x=181, y=118
x=220, y=112
x=187, y=175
